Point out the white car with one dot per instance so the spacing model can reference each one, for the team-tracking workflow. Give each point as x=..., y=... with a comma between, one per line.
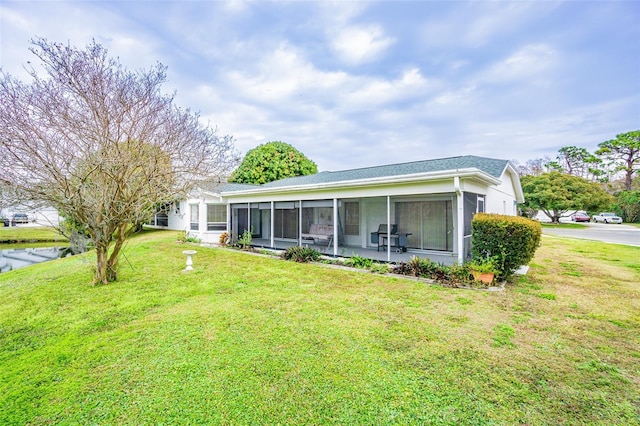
x=607, y=218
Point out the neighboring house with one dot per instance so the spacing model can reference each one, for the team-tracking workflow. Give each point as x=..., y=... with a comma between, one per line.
x=424, y=207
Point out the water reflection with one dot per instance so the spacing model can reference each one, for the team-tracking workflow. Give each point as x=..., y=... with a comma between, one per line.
x=17, y=258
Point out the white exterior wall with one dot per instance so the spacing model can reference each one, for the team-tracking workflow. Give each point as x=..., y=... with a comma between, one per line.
x=180, y=218
x=501, y=199
x=177, y=216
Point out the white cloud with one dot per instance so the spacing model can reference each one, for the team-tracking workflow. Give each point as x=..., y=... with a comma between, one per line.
x=476, y=24
x=358, y=45
x=531, y=63
x=354, y=84
x=281, y=75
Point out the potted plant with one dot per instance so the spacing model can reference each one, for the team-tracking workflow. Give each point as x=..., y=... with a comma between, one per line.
x=483, y=269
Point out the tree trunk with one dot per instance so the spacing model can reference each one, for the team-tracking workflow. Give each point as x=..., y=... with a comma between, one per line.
x=112, y=262
x=101, y=276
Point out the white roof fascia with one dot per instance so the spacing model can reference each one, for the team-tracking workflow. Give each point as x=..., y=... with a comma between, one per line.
x=386, y=180
x=213, y=195
x=515, y=180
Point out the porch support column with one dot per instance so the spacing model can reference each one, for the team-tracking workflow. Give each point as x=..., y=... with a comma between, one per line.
x=249, y=218
x=229, y=218
x=272, y=225
x=388, y=228
x=459, y=219
x=202, y=216
x=335, y=226
x=300, y=223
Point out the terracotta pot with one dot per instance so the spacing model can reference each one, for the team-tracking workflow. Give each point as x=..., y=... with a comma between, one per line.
x=485, y=277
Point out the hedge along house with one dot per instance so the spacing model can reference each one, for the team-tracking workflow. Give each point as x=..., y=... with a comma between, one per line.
x=385, y=212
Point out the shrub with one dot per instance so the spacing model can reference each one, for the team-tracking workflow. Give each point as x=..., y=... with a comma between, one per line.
x=244, y=241
x=225, y=239
x=356, y=261
x=488, y=265
x=379, y=268
x=452, y=276
x=510, y=240
x=420, y=267
x=301, y=254
x=628, y=206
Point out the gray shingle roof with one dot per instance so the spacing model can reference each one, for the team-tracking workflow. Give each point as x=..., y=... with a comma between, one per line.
x=491, y=166
x=216, y=187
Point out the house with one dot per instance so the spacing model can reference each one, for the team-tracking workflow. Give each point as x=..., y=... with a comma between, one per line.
x=386, y=212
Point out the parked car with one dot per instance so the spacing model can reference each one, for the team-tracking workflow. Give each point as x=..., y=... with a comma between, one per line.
x=16, y=218
x=580, y=216
x=20, y=218
x=607, y=218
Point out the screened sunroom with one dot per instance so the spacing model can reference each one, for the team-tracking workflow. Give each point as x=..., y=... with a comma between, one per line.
x=390, y=228
x=389, y=212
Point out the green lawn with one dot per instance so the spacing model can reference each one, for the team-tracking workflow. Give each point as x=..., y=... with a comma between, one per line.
x=566, y=225
x=245, y=339
x=20, y=234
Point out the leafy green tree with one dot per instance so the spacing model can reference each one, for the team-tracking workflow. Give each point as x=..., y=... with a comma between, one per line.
x=557, y=194
x=272, y=161
x=623, y=154
x=578, y=161
x=628, y=205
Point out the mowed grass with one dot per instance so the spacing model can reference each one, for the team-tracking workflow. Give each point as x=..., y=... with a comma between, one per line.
x=245, y=339
x=564, y=225
x=21, y=234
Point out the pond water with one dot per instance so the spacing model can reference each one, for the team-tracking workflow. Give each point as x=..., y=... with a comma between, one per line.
x=16, y=258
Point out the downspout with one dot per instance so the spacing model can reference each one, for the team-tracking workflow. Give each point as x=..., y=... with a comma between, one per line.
x=459, y=219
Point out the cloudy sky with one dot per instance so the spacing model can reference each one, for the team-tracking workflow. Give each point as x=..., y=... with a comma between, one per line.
x=356, y=84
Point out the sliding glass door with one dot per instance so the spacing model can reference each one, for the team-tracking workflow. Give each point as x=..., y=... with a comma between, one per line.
x=429, y=222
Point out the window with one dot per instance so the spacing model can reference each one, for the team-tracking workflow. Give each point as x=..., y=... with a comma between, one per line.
x=195, y=217
x=161, y=217
x=216, y=217
x=352, y=220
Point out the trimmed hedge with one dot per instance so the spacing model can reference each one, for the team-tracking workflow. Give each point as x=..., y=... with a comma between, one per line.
x=510, y=240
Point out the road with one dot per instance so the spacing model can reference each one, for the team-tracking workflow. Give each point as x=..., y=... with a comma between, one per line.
x=608, y=233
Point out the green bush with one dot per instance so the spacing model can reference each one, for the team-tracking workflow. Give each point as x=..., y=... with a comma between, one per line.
x=244, y=241
x=510, y=240
x=420, y=267
x=628, y=205
x=452, y=276
x=356, y=261
x=301, y=254
x=379, y=268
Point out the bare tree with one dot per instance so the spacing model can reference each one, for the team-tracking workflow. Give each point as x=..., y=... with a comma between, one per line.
x=534, y=167
x=102, y=144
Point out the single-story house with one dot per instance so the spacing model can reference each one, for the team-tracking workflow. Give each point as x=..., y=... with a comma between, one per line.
x=385, y=212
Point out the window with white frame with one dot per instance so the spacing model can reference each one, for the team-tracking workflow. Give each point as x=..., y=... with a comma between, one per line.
x=216, y=217
x=195, y=217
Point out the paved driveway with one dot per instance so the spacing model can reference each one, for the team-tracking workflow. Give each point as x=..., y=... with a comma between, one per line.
x=608, y=233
